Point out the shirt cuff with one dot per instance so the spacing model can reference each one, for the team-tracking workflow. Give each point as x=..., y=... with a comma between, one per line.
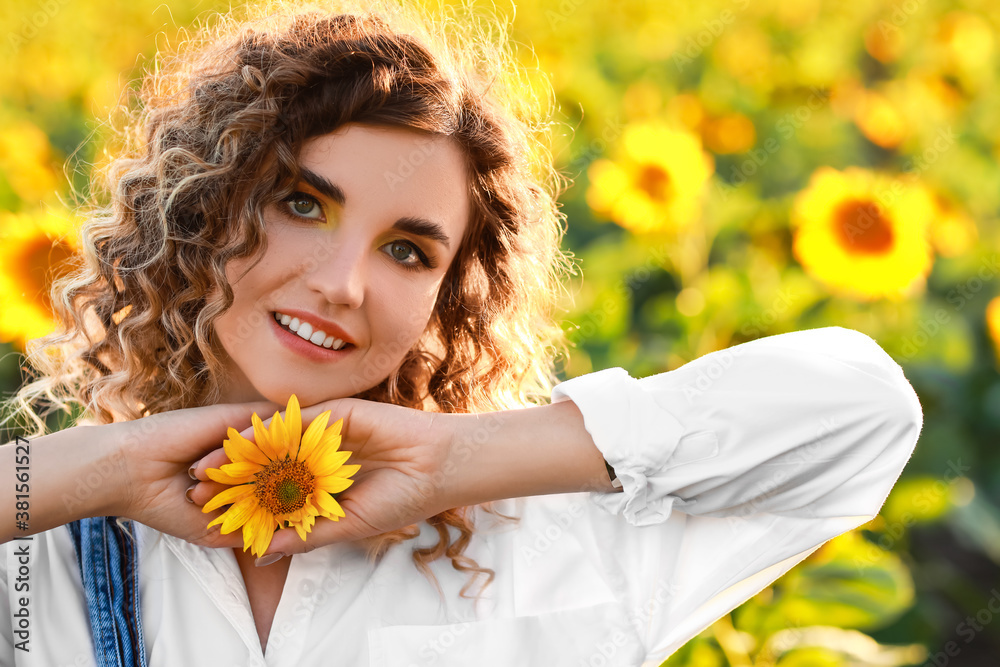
x=635, y=435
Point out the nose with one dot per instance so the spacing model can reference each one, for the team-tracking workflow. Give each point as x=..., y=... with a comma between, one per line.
x=338, y=272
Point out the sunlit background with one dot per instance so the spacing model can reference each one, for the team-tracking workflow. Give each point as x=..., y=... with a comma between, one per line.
x=742, y=168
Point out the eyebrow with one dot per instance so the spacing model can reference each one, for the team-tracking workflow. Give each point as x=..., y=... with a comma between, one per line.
x=411, y=224
x=324, y=186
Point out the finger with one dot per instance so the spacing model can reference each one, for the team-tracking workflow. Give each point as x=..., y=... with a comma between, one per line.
x=193, y=431
x=200, y=493
x=211, y=460
x=214, y=538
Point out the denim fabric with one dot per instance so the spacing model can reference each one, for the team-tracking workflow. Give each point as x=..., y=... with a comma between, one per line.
x=106, y=553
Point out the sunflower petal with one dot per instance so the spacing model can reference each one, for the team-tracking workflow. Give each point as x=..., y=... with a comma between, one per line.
x=264, y=536
x=279, y=436
x=228, y=497
x=217, y=475
x=307, y=522
x=265, y=533
x=329, y=507
x=332, y=484
x=293, y=424
x=242, y=469
x=250, y=529
x=345, y=471
x=328, y=463
x=330, y=440
x=238, y=514
x=313, y=436
x=301, y=530
x=302, y=520
x=262, y=437
x=300, y=514
x=239, y=449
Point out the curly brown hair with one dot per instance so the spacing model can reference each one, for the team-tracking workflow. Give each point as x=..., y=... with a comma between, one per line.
x=213, y=139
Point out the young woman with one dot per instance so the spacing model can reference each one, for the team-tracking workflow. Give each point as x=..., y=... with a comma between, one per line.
x=351, y=207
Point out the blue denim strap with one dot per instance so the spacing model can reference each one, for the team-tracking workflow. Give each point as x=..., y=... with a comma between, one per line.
x=106, y=553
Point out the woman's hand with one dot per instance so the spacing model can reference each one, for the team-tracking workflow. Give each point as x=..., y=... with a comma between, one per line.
x=136, y=469
x=401, y=453
x=154, y=455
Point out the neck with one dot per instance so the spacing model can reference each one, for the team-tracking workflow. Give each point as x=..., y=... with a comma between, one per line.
x=238, y=392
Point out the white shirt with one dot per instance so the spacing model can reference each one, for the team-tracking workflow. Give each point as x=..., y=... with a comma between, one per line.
x=735, y=467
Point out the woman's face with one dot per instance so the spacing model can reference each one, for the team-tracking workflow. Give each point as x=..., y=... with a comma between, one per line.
x=358, y=253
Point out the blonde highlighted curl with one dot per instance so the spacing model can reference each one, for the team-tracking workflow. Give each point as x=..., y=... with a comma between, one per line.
x=213, y=140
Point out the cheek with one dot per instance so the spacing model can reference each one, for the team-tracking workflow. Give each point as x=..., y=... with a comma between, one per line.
x=241, y=320
x=401, y=319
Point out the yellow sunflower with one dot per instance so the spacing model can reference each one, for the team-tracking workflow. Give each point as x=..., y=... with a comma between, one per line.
x=880, y=120
x=655, y=181
x=284, y=478
x=952, y=232
x=34, y=248
x=993, y=324
x=863, y=234
x=26, y=160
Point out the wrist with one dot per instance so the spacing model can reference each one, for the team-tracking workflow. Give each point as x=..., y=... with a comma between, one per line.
x=98, y=463
x=526, y=452
x=113, y=444
x=67, y=475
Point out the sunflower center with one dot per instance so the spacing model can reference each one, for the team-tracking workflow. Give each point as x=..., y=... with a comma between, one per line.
x=861, y=227
x=283, y=486
x=654, y=181
x=42, y=260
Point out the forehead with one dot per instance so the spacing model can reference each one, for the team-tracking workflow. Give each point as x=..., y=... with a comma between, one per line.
x=394, y=172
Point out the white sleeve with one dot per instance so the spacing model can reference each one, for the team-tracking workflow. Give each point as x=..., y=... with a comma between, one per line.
x=768, y=449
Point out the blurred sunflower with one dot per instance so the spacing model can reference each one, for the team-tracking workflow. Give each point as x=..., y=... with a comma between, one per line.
x=34, y=248
x=952, y=231
x=730, y=133
x=882, y=44
x=967, y=42
x=863, y=234
x=655, y=181
x=26, y=159
x=880, y=121
x=993, y=324
x=283, y=478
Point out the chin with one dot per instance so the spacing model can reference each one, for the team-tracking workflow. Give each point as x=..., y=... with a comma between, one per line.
x=307, y=395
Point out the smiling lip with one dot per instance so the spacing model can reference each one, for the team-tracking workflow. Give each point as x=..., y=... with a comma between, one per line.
x=318, y=323
x=311, y=351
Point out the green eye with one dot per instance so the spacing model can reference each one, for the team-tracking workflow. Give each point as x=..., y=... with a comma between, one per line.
x=303, y=206
x=407, y=255
x=400, y=251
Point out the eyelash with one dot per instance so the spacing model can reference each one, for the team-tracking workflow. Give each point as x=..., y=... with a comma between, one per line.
x=426, y=261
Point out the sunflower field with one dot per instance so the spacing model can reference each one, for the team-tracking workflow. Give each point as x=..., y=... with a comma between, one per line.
x=739, y=169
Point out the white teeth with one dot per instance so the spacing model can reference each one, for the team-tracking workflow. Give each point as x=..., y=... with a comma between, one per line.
x=304, y=330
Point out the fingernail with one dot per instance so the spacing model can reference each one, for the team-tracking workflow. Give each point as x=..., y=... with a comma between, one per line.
x=268, y=559
x=191, y=471
x=187, y=494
